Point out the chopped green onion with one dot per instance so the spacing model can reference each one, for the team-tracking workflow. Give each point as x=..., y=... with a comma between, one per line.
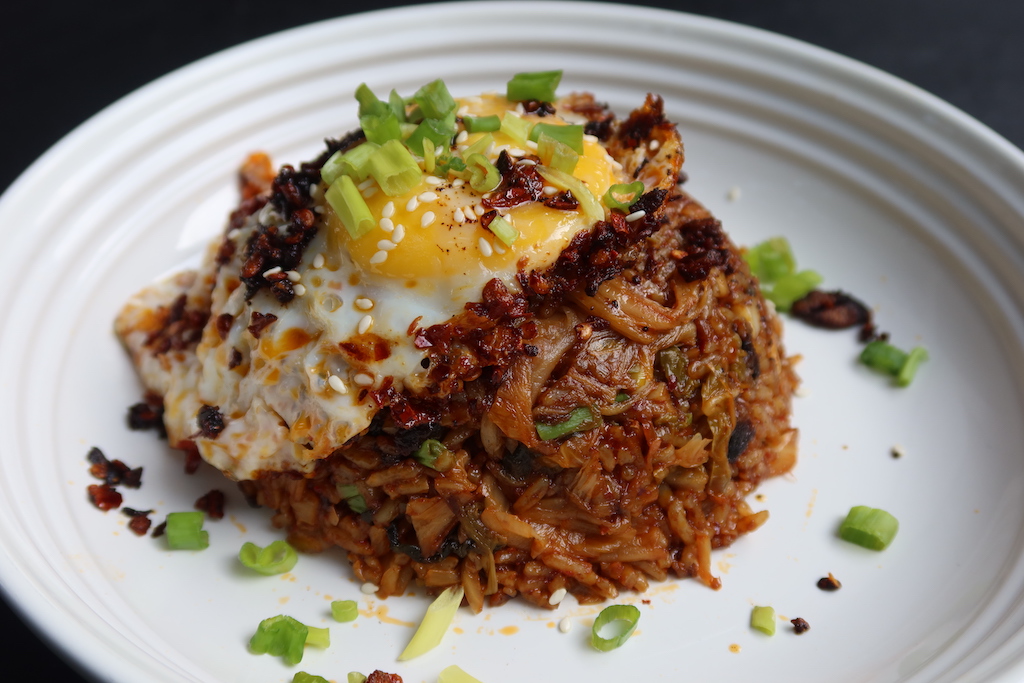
x=763, y=620
x=344, y=610
x=435, y=455
x=579, y=420
x=397, y=104
x=557, y=155
x=479, y=147
x=381, y=126
x=276, y=558
x=631, y=190
x=516, y=127
x=438, y=131
x=348, y=203
x=280, y=636
x=303, y=677
x=592, y=208
x=571, y=135
x=628, y=614
x=534, y=85
x=435, y=623
x=434, y=99
x=621, y=397
x=869, y=527
x=394, y=169
x=367, y=100
x=503, y=230
x=884, y=357
x=789, y=288
x=185, y=531
x=318, y=637
x=429, y=160
x=454, y=674
x=771, y=260
x=481, y=124
x=356, y=677
x=352, y=496
x=483, y=176
x=354, y=162
x=917, y=355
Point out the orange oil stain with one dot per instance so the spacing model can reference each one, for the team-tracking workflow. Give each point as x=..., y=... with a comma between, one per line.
x=238, y=525
x=810, y=504
x=458, y=630
x=381, y=612
x=734, y=648
x=508, y=630
x=283, y=600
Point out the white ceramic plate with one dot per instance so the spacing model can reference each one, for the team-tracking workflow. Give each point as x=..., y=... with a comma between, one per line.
x=888, y=192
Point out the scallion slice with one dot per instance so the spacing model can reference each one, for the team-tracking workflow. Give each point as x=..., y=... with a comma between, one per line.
x=580, y=419
x=368, y=102
x=397, y=104
x=571, y=135
x=394, y=169
x=454, y=674
x=516, y=127
x=503, y=230
x=631, y=191
x=280, y=636
x=592, y=208
x=483, y=176
x=771, y=260
x=434, y=455
x=185, y=531
x=352, y=496
x=481, y=124
x=354, y=162
x=533, y=85
x=303, y=677
x=318, y=637
x=790, y=288
x=435, y=623
x=438, y=131
x=276, y=558
x=356, y=677
x=869, y=527
x=905, y=376
x=344, y=610
x=763, y=620
x=557, y=155
x=434, y=99
x=351, y=208
x=884, y=357
x=628, y=614
x=480, y=146
x=429, y=160
x=381, y=126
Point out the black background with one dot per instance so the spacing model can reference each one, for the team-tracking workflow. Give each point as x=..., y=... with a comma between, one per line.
x=61, y=62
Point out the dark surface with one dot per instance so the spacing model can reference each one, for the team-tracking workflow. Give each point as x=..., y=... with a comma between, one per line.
x=63, y=62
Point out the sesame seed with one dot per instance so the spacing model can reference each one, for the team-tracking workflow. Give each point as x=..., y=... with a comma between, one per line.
x=565, y=625
x=234, y=233
x=802, y=392
x=734, y=194
x=427, y=197
x=485, y=247
x=314, y=190
x=368, y=588
x=898, y=451
x=519, y=108
x=335, y=383
x=412, y=204
x=531, y=145
x=497, y=248
x=379, y=257
x=550, y=191
x=369, y=192
x=433, y=180
x=526, y=162
x=386, y=224
x=272, y=271
x=459, y=216
x=365, y=323
x=461, y=137
x=517, y=152
x=318, y=209
x=469, y=213
x=318, y=261
x=365, y=184
x=388, y=211
x=363, y=380
x=501, y=148
x=427, y=219
x=557, y=596
x=463, y=110
x=293, y=275
x=386, y=245
x=266, y=212
x=635, y=216
x=590, y=138
x=299, y=290
x=399, y=234
x=653, y=145
x=364, y=304
x=480, y=210
x=458, y=182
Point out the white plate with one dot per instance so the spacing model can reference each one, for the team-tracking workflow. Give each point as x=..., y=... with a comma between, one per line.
x=888, y=192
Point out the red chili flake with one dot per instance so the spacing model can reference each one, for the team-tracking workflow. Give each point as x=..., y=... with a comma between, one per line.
x=211, y=421
x=224, y=321
x=831, y=310
x=800, y=625
x=140, y=522
x=259, y=322
x=235, y=360
x=381, y=677
x=212, y=504
x=147, y=415
x=539, y=108
x=159, y=530
x=113, y=472
x=829, y=583
x=563, y=202
x=192, y=457
x=104, y=497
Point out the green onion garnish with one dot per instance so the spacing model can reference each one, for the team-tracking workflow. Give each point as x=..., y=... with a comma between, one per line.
x=351, y=208
x=354, y=162
x=481, y=124
x=580, y=419
x=771, y=260
x=276, y=558
x=185, y=531
x=367, y=100
x=479, y=147
x=535, y=85
x=631, y=191
x=454, y=674
x=303, y=677
x=438, y=131
x=790, y=288
x=344, y=610
x=381, y=126
x=621, y=397
x=628, y=614
x=503, y=230
x=356, y=677
x=352, y=496
x=397, y=104
x=592, y=208
x=280, y=636
x=869, y=527
x=434, y=455
x=434, y=99
x=557, y=155
x=429, y=160
x=435, y=623
x=394, y=169
x=884, y=357
x=516, y=127
x=571, y=135
x=917, y=355
x=318, y=637
x=483, y=176
x=763, y=619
